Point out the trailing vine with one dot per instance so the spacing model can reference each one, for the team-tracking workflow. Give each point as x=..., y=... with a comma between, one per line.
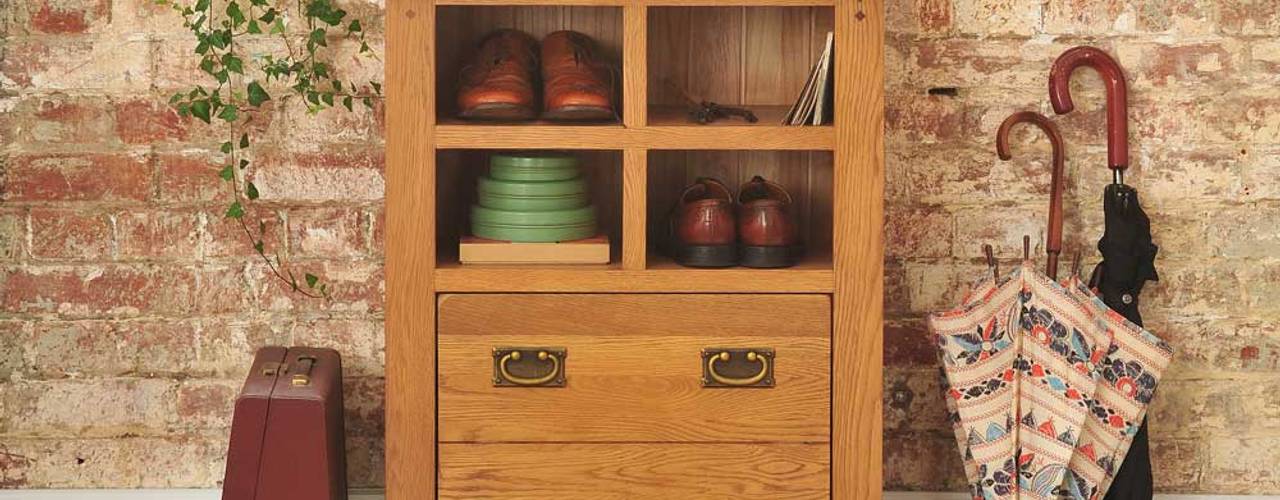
x=300, y=72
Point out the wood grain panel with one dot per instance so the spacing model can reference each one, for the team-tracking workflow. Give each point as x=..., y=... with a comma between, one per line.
x=857, y=471
x=633, y=471
x=634, y=370
x=410, y=252
x=635, y=171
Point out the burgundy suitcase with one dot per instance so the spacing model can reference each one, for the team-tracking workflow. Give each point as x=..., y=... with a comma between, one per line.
x=287, y=438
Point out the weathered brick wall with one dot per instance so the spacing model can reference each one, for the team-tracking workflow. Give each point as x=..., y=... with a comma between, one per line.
x=130, y=306
x=1205, y=121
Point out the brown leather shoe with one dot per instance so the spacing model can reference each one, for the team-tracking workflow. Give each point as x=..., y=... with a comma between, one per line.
x=703, y=233
x=498, y=84
x=767, y=225
x=575, y=85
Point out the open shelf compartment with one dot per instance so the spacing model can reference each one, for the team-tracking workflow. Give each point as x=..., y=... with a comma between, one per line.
x=457, y=172
x=806, y=175
x=754, y=57
x=460, y=28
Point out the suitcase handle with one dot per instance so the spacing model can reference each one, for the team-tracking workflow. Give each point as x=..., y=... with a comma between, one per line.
x=302, y=377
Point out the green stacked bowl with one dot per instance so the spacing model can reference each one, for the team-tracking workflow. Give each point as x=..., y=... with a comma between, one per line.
x=533, y=199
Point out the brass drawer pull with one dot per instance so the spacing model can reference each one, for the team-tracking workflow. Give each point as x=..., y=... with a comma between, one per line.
x=737, y=367
x=505, y=356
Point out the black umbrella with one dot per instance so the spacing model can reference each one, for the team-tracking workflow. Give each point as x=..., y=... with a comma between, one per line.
x=1127, y=250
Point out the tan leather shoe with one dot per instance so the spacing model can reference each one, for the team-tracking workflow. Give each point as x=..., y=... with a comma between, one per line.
x=499, y=83
x=703, y=233
x=575, y=85
x=767, y=225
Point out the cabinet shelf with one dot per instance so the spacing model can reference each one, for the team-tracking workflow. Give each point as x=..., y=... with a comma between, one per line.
x=683, y=136
x=812, y=276
x=655, y=3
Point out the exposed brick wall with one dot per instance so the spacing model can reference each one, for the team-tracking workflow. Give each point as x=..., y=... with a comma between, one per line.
x=1205, y=119
x=129, y=307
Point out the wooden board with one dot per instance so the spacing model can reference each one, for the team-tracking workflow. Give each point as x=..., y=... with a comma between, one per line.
x=634, y=471
x=472, y=250
x=410, y=251
x=634, y=371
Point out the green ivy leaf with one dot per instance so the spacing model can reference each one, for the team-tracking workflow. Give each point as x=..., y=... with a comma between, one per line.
x=278, y=27
x=235, y=211
x=200, y=109
x=257, y=94
x=327, y=97
x=347, y=103
x=355, y=26
x=312, y=280
x=234, y=12
x=226, y=148
x=229, y=113
x=317, y=38
x=259, y=246
x=244, y=164
x=269, y=16
x=233, y=64
x=251, y=191
x=255, y=28
x=227, y=173
x=244, y=141
x=377, y=87
x=202, y=5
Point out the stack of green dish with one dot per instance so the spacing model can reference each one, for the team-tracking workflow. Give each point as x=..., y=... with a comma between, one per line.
x=533, y=199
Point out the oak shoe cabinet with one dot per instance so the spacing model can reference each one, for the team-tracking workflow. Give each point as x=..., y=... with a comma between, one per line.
x=639, y=379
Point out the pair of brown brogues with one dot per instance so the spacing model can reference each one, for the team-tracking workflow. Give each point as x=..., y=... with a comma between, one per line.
x=709, y=230
x=501, y=82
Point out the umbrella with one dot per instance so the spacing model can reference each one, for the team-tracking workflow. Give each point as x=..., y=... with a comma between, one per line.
x=1126, y=245
x=1044, y=384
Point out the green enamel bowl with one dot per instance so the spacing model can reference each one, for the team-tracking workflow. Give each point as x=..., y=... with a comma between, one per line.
x=533, y=203
x=489, y=185
x=533, y=168
x=546, y=218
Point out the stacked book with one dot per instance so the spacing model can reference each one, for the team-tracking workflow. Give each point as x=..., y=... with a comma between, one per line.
x=533, y=210
x=815, y=102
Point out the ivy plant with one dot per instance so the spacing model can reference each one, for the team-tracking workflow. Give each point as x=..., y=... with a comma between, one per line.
x=241, y=84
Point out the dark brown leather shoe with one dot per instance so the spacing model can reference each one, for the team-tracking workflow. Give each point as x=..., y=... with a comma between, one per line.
x=499, y=83
x=575, y=85
x=703, y=233
x=767, y=225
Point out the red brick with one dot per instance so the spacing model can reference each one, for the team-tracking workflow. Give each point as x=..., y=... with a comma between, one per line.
x=15, y=340
x=225, y=348
x=918, y=232
x=207, y=404
x=57, y=17
x=78, y=177
x=13, y=234
x=222, y=289
x=78, y=63
x=70, y=235
x=360, y=341
x=908, y=343
x=61, y=119
x=77, y=348
x=326, y=232
x=1250, y=17
x=224, y=237
x=94, y=291
x=338, y=173
x=191, y=177
x=145, y=121
x=158, y=235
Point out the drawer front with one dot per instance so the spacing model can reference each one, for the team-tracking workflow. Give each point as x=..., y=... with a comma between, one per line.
x=631, y=471
x=633, y=368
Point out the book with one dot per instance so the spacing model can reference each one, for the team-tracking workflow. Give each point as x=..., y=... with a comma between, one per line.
x=473, y=250
x=813, y=106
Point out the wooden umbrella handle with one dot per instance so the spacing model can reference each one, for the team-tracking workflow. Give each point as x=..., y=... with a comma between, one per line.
x=1117, y=97
x=1053, y=246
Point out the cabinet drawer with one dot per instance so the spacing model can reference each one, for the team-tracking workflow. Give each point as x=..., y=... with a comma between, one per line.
x=629, y=471
x=633, y=368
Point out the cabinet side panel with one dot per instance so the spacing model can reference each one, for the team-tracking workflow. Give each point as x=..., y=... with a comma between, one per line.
x=859, y=258
x=411, y=256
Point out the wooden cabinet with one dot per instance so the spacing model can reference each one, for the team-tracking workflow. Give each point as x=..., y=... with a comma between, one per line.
x=632, y=344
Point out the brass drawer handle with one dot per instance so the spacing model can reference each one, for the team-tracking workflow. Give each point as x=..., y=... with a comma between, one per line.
x=721, y=371
x=503, y=357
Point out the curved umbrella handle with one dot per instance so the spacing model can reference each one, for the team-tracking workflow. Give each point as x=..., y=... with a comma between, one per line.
x=1117, y=97
x=1053, y=245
